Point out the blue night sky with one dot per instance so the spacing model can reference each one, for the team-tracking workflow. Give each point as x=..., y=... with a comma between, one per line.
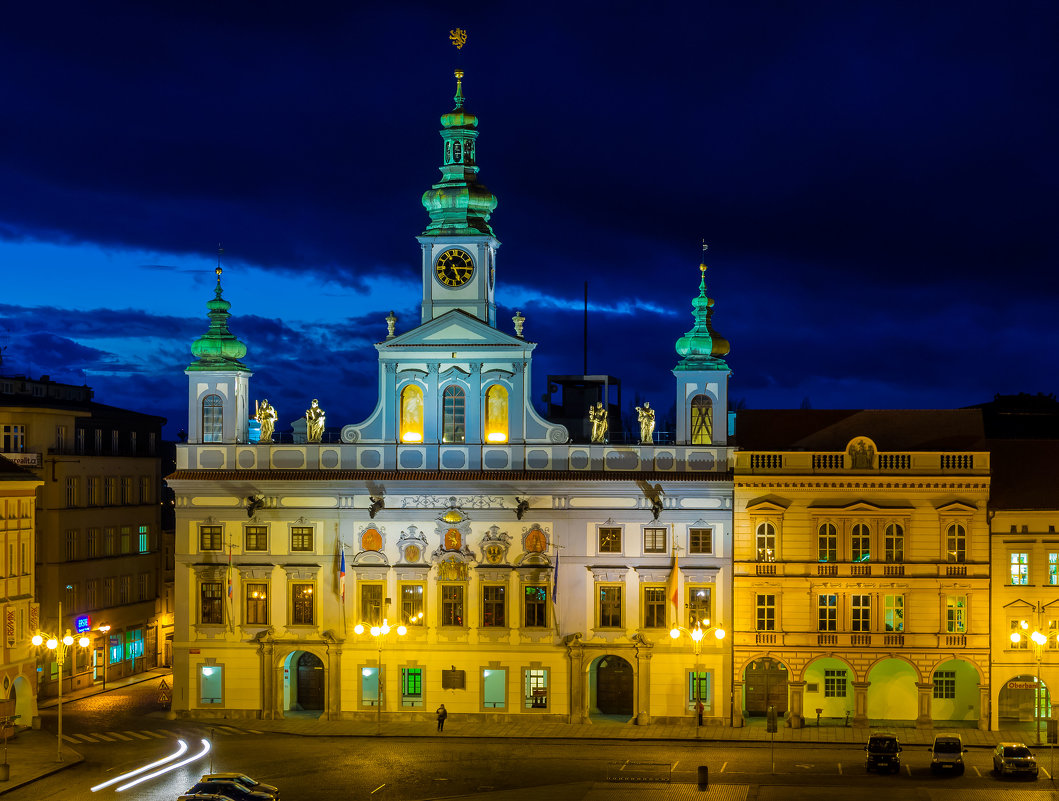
x=877, y=182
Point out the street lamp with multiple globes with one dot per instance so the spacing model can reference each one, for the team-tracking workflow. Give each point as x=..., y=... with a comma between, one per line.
x=379, y=632
x=697, y=634
x=1039, y=640
x=60, y=646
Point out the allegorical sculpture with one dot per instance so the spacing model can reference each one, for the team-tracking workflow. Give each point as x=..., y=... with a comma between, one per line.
x=266, y=415
x=646, y=415
x=314, y=422
x=597, y=416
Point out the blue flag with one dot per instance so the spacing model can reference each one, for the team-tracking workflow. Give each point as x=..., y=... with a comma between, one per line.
x=555, y=579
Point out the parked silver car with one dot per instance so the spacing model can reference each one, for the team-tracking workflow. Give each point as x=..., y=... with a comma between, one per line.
x=1014, y=759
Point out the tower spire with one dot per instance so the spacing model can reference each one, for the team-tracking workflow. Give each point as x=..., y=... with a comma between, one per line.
x=702, y=347
x=218, y=348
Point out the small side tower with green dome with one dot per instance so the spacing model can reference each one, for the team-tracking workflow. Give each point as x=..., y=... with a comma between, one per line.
x=702, y=376
x=218, y=382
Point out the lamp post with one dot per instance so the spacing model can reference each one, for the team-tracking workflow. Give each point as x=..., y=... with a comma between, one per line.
x=1038, y=639
x=379, y=633
x=697, y=634
x=60, y=646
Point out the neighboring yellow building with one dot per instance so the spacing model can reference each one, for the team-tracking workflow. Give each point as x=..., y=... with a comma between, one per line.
x=18, y=659
x=861, y=575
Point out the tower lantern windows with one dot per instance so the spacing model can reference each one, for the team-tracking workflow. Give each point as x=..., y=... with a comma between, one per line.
x=412, y=414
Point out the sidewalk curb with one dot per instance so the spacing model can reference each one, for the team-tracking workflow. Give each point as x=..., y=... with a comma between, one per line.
x=55, y=768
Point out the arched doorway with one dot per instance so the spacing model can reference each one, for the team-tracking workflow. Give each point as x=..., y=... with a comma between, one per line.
x=892, y=693
x=614, y=686
x=303, y=682
x=765, y=685
x=1023, y=701
x=25, y=701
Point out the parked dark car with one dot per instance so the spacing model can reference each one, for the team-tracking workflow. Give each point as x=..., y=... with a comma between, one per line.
x=229, y=789
x=246, y=781
x=947, y=753
x=1014, y=759
x=882, y=752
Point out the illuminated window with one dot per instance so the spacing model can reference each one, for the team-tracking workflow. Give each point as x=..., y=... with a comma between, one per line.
x=301, y=538
x=860, y=543
x=211, y=603
x=210, y=538
x=610, y=607
x=212, y=418
x=895, y=543
x=371, y=604
x=827, y=612
x=700, y=609
x=453, y=415
x=1053, y=568
x=256, y=538
x=765, y=541
x=1020, y=568
x=257, y=604
x=535, y=607
x=699, y=690
x=496, y=414
x=956, y=614
x=827, y=543
x=412, y=687
x=609, y=540
x=894, y=612
x=765, y=606
x=144, y=537
x=1021, y=628
x=211, y=684
x=452, y=605
x=412, y=604
x=956, y=543
x=654, y=607
x=834, y=684
x=12, y=439
x=302, y=609
x=493, y=606
x=536, y=689
x=701, y=420
x=412, y=414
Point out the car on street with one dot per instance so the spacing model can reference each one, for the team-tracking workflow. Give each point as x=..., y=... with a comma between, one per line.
x=1014, y=759
x=202, y=797
x=947, y=753
x=243, y=779
x=229, y=789
x=882, y=752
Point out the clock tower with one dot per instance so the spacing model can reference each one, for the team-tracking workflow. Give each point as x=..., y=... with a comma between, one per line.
x=459, y=248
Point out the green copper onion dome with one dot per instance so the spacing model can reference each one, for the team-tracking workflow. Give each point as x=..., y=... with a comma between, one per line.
x=702, y=348
x=218, y=349
x=459, y=205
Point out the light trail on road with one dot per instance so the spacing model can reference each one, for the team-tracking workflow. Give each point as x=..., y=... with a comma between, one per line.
x=205, y=750
x=181, y=750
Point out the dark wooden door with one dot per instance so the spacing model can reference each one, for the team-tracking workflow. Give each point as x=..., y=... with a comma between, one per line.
x=310, y=682
x=765, y=684
x=614, y=686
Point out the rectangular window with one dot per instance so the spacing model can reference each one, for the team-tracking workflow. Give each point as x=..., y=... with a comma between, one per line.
x=956, y=614
x=369, y=686
x=493, y=610
x=125, y=590
x=610, y=540
x=700, y=540
x=609, y=607
x=827, y=612
x=110, y=491
x=834, y=684
x=654, y=607
x=115, y=442
x=70, y=599
x=536, y=689
x=371, y=604
x=944, y=683
x=134, y=644
x=211, y=603
x=211, y=538
x=895, y=612
x=12, y=439
x=700, y=607
x=654, y=540
x=256, y=538
x=860, y=543
x=1019, y=568
x=79, y=438
x=765, y=542
x=895, y=543
x=143, y=537
x=412, y=687
x=126, y=490
x=110, y=541
x=699, y=690
x=115, y=647
x=534, y=607
x=97, y=440
x=142, y=586
x=92, y=594
x=71, y=491
x=1023, y=642
x=766, y=612
x=452, y=605
x=1053, y=569
x=71, y=544
x=861, y=612
x=92, y=543
x=60, y=439
x=827, y=543
x=211, y=685
x=494, y=688
x=145, y=489
x=301, y=607
x=151, y=441
x=257, y=604
x=92, y=491
x=956, y=543
x=301, y=538
x=412, y=612
x=126, y=539
x=109, y=585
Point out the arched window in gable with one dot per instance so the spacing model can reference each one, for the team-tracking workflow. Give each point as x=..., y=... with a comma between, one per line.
x=453, y=415
x=412, y=414
x=212, y=418
x=701, y=420
x=496, y=414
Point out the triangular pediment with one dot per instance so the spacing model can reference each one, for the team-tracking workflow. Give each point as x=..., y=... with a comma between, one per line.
x=957, y=508
x=857, y=506
x=453, y=330
x=767, y=505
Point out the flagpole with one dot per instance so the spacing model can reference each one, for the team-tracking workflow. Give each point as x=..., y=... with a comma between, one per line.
x=231, y=613
x=341, y=578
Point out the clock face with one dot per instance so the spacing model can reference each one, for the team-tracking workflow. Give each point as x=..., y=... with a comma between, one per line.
x=454, y=267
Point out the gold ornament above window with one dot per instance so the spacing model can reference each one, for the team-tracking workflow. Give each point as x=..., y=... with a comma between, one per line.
x=371, y=540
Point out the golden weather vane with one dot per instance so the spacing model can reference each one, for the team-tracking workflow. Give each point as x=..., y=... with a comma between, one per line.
x=458, y=37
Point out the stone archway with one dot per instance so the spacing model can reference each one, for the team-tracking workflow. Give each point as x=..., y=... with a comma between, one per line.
x=892, y=693
x=304, y=683
x=25, y=701
x=764, y=685
x=956, y=697
x=1022, y=703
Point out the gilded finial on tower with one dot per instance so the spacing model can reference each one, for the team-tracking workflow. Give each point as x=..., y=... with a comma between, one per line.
x=705, y=247
x=458, y=37
x=220, y=252
x=459, y=88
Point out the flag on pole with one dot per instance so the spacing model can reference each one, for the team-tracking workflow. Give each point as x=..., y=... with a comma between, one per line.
x=342, y=573
x=673, y=591
x=555, y=580
x=229, y=571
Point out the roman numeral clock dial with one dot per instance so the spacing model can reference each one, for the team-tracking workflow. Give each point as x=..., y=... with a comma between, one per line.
x=454, y=267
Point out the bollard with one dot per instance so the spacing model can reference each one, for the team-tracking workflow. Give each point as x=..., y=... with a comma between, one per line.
x=704, y=777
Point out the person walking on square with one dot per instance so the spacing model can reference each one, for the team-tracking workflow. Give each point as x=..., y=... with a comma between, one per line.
x=699, y=710
x=442, y=714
